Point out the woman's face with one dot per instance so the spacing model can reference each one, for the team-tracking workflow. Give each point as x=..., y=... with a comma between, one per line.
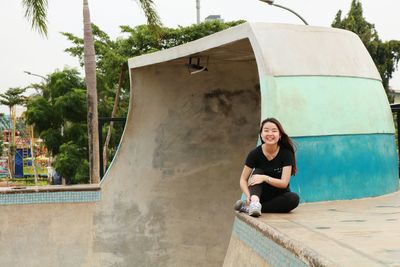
x=270, y=133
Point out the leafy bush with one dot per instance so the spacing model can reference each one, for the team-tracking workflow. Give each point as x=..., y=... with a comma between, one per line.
x=69, y=163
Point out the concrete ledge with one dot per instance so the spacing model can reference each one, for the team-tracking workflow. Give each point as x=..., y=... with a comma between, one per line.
x=249, y=247
x=303, y=253
x=361, y=232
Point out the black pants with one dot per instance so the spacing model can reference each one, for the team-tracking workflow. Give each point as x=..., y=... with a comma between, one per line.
x=281, y=201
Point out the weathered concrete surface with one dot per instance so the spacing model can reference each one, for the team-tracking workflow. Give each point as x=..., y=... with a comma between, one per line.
x=47, y=235
x=363, y=232
x=281, y=50
x=165, y=198
x=240, y=254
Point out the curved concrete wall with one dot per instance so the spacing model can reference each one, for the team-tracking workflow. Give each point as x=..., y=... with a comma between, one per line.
x=178, y=164
x=323, y=86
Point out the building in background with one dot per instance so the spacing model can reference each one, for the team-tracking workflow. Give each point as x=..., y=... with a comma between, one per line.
x=214, y=17
x=395, y=94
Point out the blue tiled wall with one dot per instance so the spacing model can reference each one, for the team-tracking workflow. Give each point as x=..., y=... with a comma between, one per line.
x=272, y=253
x=345, y=167
x=49, y=197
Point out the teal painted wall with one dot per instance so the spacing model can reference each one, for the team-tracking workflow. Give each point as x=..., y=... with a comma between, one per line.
x=345, y=167
x=344, y=130
x=325, y=105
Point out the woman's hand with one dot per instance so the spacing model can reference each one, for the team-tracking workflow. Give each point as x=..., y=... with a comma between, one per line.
x=244, y=182
x=256, y=179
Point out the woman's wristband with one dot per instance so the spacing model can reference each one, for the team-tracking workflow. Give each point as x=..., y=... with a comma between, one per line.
x=268, y=180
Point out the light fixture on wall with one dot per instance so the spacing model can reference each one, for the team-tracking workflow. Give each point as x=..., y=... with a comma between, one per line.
x=194, y=64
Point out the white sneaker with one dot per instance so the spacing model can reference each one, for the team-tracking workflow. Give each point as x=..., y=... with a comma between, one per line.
x=255, y=209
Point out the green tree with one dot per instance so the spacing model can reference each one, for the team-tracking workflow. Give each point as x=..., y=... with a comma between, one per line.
x=36, y=12
x=386, y=55
x=11, y=98
x=69, y=163
x=59, y=115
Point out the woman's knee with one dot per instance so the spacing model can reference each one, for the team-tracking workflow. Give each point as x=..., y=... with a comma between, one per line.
x=256, y=190
x=293, y=200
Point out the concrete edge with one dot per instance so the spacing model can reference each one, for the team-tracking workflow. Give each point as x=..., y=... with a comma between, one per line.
x=51, y=188
x=304, y=253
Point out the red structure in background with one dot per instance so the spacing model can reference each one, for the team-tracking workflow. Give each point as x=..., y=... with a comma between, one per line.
x=24, y=142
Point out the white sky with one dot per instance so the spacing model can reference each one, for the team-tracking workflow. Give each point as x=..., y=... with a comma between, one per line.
x=22, y=49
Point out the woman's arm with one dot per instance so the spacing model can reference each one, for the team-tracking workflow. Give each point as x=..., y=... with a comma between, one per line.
x=284, y=181
x=279, y=183
x=243, y=182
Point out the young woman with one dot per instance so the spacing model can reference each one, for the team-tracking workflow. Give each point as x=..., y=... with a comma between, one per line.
x=266, y=175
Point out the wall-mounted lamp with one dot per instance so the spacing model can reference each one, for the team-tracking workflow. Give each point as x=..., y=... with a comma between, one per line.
x=194, y=64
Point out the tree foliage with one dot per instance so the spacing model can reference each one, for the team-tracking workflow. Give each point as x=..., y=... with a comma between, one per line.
x=72, y=162
x=58, y=114
x=36, y=13
x=13, y=97
x=386, y=54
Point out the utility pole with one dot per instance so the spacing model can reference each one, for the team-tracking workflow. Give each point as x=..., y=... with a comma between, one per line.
x=198, y=10
x=32, y=135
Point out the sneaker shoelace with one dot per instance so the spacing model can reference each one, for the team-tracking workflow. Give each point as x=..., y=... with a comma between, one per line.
x=255, y=206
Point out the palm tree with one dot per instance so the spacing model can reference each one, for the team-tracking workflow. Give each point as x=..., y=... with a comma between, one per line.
x=91, y=95
x=11, y=98
x=36, y=12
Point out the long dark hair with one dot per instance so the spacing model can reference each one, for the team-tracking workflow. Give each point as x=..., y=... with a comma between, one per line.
x=284, y=141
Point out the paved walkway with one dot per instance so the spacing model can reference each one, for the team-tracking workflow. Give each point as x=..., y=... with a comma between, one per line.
x=364, y=232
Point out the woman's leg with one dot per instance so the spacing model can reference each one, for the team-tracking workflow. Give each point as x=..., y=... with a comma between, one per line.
x=255, y=195
x=282, y=203
x=255, y=192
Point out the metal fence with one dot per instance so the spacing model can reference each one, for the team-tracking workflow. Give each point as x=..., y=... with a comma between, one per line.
x=396, y=117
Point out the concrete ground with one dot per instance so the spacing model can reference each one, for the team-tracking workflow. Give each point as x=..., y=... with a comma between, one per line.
x=364, y=232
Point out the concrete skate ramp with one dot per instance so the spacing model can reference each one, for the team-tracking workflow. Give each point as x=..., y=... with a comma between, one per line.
x=175, y=177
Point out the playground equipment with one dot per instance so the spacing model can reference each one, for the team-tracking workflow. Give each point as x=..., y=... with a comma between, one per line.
x=41, y=164
x=23, y=141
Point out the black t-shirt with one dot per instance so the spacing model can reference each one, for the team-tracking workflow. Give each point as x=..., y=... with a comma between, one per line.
x=257, y=160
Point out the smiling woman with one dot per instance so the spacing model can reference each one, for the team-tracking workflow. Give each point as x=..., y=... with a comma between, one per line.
x=266, y=175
